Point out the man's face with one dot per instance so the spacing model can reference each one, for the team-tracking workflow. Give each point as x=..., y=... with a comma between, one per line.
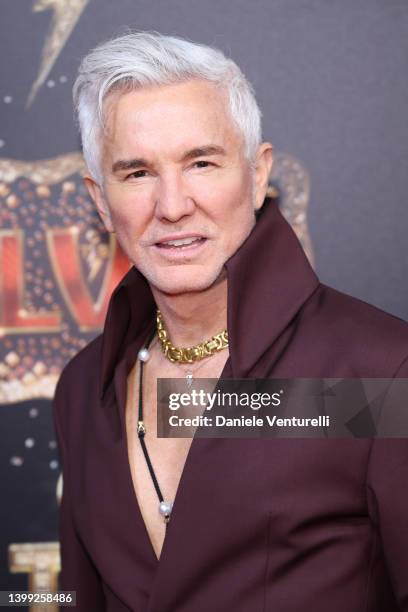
x=178, y=190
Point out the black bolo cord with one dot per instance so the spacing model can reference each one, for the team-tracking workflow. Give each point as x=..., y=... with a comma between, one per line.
x=141, y=430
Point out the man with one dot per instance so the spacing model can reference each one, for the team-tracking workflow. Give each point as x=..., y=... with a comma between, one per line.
x=176, y=167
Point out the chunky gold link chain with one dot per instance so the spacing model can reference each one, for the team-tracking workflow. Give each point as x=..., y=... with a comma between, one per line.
x=192, y=353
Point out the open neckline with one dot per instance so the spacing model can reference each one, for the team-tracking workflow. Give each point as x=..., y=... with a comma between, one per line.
x=130, y=387
x=180, y=487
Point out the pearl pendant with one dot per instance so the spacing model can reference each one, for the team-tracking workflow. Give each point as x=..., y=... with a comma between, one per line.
x=165, y=509
x=143, y=354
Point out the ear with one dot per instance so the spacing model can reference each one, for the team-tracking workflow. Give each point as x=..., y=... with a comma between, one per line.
x=262, y=170
x=96, y=194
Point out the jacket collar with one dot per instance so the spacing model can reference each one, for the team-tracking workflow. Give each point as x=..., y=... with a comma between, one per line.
x=269, y=278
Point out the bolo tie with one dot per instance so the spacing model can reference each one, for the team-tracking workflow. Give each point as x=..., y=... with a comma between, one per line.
x=165, y=507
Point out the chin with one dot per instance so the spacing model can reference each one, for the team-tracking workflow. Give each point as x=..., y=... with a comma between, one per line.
x=187, y=283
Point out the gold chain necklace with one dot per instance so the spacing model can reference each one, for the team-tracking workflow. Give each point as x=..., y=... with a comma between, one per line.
x=192, y=353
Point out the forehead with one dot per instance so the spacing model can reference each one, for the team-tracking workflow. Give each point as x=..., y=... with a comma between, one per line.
x=169, y=116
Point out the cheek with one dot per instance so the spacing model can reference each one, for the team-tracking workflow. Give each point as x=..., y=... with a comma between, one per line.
x=238, y=223
x=235, y=200
x=228, y=198
x=129, y=213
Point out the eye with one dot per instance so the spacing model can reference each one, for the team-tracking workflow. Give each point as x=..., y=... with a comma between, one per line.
x=202, y=163
x=137, y=174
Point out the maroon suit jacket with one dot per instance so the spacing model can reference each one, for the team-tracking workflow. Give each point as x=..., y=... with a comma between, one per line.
x=278, y=525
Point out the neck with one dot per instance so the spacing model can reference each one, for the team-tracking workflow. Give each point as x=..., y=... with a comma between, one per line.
x=190, y=318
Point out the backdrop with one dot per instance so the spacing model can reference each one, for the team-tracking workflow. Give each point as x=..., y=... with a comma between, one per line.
x=331, y=81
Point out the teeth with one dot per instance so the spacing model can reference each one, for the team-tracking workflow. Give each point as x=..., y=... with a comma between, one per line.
x=182, y=241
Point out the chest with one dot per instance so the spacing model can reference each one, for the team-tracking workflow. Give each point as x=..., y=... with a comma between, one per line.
x=244, y=508
x=167, y=456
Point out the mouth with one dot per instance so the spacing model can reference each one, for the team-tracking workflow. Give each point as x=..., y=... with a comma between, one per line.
x=181, y=243
x=175, y=247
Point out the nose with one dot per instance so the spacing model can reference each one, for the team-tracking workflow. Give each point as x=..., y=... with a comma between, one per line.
x=173, y=200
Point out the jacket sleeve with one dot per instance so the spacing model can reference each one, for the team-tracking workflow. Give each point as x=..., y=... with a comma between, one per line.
x=78, y=573
x=388, y=488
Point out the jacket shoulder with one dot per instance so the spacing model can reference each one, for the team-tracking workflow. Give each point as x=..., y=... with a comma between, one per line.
x=370, y=336
x=82, y=371
x=79, y=382
x=357, y=313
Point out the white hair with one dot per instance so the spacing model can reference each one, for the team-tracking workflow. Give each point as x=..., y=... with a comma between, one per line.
x=143, y=59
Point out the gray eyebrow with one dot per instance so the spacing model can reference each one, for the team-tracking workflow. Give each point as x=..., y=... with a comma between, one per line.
x=204, y=152
x=129, y=164
x=133, y=164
